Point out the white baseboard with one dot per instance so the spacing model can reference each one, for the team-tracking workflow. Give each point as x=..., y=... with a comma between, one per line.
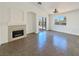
x=67, y=32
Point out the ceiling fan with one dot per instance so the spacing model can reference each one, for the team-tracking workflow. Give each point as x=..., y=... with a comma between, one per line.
x=39, y=3
x=55, y=11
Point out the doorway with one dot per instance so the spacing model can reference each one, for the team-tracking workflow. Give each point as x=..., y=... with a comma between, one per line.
x=42, y=23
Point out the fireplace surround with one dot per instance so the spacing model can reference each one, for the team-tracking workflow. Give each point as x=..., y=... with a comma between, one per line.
x=16, y=32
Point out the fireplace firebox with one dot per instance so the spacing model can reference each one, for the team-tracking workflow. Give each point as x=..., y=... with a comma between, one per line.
x=17, y=33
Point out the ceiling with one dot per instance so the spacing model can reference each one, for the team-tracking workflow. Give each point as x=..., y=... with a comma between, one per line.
x=60, y=6
x=46, y=6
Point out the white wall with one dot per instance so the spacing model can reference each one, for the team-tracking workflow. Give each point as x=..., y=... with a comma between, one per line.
x=31, y=22
x=72, y=23
x=4, y=19
x=4, y=35
x=16, y=17
x=16, y=14
x=50, y=21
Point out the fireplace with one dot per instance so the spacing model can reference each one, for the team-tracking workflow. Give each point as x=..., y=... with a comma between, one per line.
x=17, y=33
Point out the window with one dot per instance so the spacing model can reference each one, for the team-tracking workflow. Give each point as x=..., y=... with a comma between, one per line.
x=60, y=20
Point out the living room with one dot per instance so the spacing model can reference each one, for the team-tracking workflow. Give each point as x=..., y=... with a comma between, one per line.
x=20, y=34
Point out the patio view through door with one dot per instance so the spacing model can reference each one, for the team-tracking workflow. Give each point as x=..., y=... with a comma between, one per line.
x=42, y=23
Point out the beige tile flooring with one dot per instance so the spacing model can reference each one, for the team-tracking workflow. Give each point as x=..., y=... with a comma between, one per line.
x=46, y=43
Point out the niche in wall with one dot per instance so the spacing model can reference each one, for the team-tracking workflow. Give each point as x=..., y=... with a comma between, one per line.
x=60, y=20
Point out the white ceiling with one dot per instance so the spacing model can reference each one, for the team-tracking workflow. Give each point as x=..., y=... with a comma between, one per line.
x=46, y=6
x=61, y=6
